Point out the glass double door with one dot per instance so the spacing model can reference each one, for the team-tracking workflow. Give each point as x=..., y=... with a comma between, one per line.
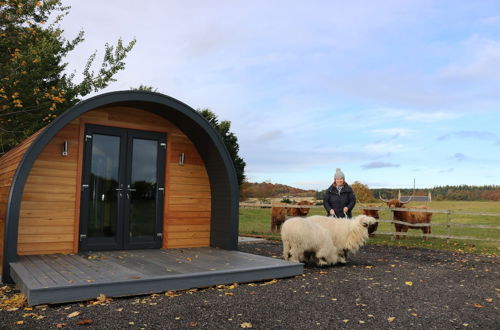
x=123, y=179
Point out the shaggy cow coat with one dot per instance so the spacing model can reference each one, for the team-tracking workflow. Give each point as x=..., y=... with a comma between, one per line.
x=278, y=214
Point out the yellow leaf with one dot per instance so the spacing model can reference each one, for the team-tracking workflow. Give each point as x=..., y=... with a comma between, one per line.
x=478, y=306
x=74, y=314
x=391, y=318
x=20, y=322
x=489, y=299
x=368, y=267
x=246, y=325
x=345, y=321
x=270, y=282
x=228, y=293
x=409, y=283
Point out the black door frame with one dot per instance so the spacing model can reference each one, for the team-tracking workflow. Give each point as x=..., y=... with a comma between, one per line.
x=121, y=241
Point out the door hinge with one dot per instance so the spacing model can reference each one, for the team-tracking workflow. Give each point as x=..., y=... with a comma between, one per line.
x=88, y=137
x=163, y=145
x=160, y=235
x=83, y=236
x=84, y=186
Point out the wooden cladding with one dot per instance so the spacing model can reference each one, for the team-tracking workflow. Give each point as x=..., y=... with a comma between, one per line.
x=49, y=214
x=8, y=166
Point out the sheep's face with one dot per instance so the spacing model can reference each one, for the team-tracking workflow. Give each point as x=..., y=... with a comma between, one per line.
x=368, y=222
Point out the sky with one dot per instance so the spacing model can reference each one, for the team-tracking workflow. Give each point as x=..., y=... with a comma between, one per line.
x=395, y=93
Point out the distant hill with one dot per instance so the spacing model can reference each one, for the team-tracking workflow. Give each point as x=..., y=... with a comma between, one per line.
x=268, y=190
x=459, y=192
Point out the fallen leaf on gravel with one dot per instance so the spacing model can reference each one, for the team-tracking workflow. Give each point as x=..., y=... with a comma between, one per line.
x=246, y=325
x=270, y=282
x=409, y=283
x=119, y=309
x=478, y=306
x=323, y=272
x=60, y=325
x=84, y=322
x=228, y=293
x=171, y=294
x=20, y=322
x=34, y=316
x=489, y=299
x=414, y=314
x=74, y=314
x=391, y=318
x=193, y=324
x=16, y=301
x=345, y=321
x=101, y=300
x=368, y=267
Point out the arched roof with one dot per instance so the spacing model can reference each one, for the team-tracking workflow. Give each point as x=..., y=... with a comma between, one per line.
x=218, y=163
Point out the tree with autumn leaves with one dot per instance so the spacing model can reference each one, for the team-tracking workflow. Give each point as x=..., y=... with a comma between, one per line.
x=34, y=86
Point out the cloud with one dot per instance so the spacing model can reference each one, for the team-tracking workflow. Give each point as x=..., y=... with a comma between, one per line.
x=490, y=20
x=269, y=136
x=373, y=165
x=479, y=135
x=394, y=131
x=449, y=170
x=384, y=147
x=458, y=157
x=480, y=61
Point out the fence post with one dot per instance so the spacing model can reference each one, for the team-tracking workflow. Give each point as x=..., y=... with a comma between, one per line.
x=448, y=226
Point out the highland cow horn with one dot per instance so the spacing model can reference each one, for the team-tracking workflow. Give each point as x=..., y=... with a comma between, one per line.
x=383, y=200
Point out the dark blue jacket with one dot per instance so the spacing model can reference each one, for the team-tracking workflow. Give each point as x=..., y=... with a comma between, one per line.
x=334, y=200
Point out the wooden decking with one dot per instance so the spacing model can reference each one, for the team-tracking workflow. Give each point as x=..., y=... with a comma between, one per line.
x=57, y=278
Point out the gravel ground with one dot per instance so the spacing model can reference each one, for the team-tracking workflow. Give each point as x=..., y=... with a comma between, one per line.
x=379, y=288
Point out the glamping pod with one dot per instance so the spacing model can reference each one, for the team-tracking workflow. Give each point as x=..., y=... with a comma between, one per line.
x=119, y=171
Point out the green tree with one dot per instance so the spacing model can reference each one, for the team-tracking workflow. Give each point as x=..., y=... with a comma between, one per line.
x=144, y=88
x=230, y=140
x=34, y=87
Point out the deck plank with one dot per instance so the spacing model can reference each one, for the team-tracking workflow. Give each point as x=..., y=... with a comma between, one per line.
x=49, y=279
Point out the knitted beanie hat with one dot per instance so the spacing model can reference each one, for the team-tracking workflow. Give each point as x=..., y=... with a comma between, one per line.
x=339, y=174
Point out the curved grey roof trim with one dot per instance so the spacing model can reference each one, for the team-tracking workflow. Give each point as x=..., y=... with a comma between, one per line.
x=219, y=165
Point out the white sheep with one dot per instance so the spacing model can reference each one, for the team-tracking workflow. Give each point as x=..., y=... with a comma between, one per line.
x=323, y=240
x=306, y=241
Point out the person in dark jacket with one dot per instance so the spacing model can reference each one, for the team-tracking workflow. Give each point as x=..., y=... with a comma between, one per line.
x=339, y=198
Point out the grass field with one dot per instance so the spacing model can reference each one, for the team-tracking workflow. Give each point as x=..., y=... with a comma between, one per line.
x=255, y=221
